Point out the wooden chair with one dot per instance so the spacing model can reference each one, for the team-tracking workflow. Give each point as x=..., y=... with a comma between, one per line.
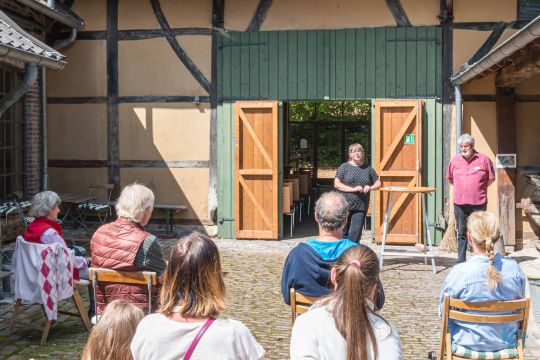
x=288, y=208
x=101, y=206
x=518, y=311
x=300, y=303
x=101, y=275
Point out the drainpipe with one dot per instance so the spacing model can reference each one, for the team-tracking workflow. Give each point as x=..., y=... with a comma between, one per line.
x=57, y=46
x=21, y=88
x=459, y=114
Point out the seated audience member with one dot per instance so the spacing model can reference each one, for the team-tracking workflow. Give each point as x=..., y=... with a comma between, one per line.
x=124, y=245
x=307, y=267
x=192, y=297
x=487, y=276
x=45, y=228
x=112, y=335
x=345, y=325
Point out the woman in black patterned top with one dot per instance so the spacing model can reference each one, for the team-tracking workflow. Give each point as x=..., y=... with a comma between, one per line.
x=355, y=179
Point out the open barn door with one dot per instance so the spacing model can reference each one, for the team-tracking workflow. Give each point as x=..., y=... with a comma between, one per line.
x=398, y=161
x=256, y=173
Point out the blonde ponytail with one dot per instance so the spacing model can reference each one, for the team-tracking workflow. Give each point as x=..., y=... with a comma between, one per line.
x=483, y=228
x=494, y=277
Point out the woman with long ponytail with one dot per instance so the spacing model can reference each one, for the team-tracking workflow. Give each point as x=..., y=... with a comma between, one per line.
x=345, y=325
x=487, y=276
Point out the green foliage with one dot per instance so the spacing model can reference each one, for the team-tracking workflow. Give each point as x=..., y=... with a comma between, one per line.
x=352, y=117
x=330, y=110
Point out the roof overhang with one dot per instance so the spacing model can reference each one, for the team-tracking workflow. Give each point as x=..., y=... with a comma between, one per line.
x=55, y=10
x=503, y=55
x=17, y=44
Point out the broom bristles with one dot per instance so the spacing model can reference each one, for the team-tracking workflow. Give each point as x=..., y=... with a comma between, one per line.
x=449, y=240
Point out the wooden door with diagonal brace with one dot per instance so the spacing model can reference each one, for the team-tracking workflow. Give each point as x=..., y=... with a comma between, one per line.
x=256, y=146
x=398, y=161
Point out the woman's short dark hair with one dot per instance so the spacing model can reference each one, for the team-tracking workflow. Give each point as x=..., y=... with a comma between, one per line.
x=193, y=278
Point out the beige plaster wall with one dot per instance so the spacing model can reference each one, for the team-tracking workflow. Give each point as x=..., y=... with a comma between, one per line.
x=421, y=12
x=77, y=131
x=85, y=73
x=137, y=14
x=93, y=12
x=150, y=67
x=317, y=14
x=188, y=13
x=164, y=132
x=174, y=186
x=485, y=10
x=466, y=43
x=485, y=85
x=478, y=120
x=76, y=181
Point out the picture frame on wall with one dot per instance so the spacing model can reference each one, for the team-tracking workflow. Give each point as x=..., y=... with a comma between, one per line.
x=506, y=161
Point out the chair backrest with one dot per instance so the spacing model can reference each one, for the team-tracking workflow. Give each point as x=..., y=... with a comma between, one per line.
x=148, y=278
x=27, y=263
x=487, y=312
x=300, y=303
x=102, y=192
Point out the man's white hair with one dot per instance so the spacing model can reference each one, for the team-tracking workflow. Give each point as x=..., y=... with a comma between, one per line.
x=134, y=201
x=466, y=139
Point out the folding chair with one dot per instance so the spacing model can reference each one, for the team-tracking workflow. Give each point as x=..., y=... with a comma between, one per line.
x=300, y=303
x=478, y=312
x=101, y=275
x=101, y=206
x=26, y=266
x=288, y=208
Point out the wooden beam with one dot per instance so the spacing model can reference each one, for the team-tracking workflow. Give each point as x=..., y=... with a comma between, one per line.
x=157, y=164
x=218, y=14
x=260, y=15
x=113, y=123
x=218, y=22
x=127, y=99
x=488, y=44
x=163, y=99
x=520, y=98
x=76, y=99
x=134, y=34
x=506, y=144
x=398, y=13
x=524, y=67
x=488, y=25
x=182, y=55
x=75, y=164
x=173, y=164
x=446, y=19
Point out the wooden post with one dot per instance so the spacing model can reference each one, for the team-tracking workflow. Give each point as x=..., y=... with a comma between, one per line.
x=506, y=144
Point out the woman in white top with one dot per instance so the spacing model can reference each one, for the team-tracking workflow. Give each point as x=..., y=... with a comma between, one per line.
x=193, y=294
x=344, y=325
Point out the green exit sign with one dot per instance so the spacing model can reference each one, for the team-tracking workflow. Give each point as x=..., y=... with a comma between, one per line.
x=408, y=139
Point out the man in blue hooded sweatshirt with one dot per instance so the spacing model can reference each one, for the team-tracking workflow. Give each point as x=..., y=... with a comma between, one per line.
x=307, y=268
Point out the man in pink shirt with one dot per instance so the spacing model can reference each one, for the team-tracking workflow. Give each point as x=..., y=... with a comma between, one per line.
x=471, y=173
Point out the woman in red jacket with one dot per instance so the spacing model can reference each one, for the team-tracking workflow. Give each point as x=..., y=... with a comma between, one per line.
x=45, y=229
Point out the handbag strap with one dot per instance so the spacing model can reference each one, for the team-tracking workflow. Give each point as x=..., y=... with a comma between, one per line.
x=200, y=334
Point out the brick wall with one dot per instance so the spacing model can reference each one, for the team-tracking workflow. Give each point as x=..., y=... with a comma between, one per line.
x=33, y=140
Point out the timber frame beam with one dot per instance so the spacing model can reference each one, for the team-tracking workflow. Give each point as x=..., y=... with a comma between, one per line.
x=260, y=15
x=506, y=184
x=182, y=55
x=527, y=66
x=399, y=14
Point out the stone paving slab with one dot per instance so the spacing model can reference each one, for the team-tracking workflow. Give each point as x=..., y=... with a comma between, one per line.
x=253, y=273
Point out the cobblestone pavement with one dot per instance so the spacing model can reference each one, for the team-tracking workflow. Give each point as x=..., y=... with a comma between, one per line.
x=253, y=273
